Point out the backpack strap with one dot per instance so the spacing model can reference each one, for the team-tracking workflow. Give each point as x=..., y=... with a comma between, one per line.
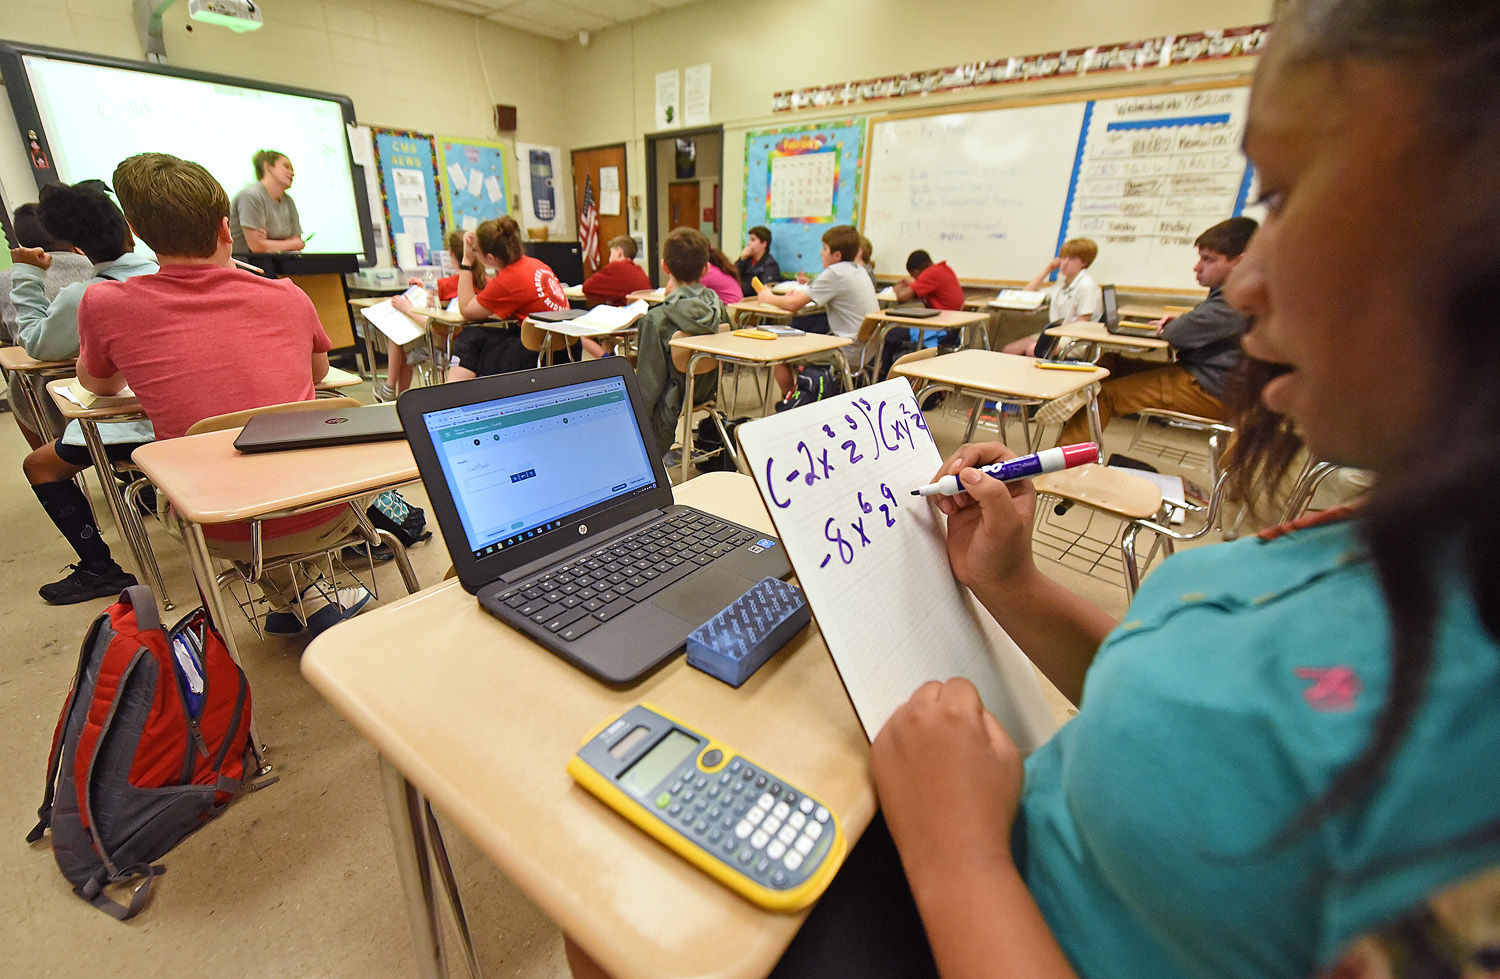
x=140, y=598
x=92, y=890
x=54, y=760
x=83, y=768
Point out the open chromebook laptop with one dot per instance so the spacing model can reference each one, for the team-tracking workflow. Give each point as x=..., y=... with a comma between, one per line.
x=558, y=515
x=1111, y=302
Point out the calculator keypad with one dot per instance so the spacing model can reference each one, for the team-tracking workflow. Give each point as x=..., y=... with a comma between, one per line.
x=749, y=819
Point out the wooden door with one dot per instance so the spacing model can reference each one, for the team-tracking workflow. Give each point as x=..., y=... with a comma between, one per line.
x=682, y=205
x=586, y=166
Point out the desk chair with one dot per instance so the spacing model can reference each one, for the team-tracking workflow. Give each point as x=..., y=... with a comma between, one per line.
x=363, y=536
x=680, y=360
x=1100, y=491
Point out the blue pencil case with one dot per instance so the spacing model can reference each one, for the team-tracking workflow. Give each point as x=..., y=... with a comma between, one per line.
x=736, y=642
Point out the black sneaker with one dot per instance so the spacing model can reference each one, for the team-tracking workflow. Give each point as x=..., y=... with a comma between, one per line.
x=84, y=585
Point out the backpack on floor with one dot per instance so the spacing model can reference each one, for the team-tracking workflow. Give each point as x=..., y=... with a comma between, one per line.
x=814, y=383
x=153, y=742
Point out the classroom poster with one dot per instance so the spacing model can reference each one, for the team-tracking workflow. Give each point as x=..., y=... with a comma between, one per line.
x=541, y=194
x=475, y=181
x=799, y=182
x=410, y=200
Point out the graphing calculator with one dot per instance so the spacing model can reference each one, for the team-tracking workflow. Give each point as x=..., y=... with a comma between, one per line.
x=737, y=822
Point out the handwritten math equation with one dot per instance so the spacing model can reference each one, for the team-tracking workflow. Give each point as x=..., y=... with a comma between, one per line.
x=865, y=433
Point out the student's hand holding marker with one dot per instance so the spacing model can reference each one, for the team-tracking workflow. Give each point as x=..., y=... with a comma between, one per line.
x=989, y=524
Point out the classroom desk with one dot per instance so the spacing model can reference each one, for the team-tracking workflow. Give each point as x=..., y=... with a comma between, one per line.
x=752, y=352
x=574, y=294
x=562, y=329
x=208, y=481
x=989, y=374
x=1146, y=312
x=748, y=312
x=947, y=319
x=33, y=374
x=650, y=296
x=133, y=531
x=483, y=721
x=1094, y=337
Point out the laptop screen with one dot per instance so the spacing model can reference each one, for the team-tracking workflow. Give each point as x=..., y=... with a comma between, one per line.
x=523, y=465
x=1111, y=304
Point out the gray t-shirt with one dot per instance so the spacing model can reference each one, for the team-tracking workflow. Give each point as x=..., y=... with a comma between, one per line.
x=253, y=207
x=847, y=295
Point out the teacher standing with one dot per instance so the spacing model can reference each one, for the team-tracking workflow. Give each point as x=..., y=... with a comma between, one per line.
x=263, y=217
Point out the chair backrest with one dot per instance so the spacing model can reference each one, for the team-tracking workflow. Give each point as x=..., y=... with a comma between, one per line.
x=237, y=419
x=681, y=357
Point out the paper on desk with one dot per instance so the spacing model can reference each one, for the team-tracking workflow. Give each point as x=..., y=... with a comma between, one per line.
x=1024, y=299
x=84, y=398
x=887, y=295
x=785, y=288
x=398, y=328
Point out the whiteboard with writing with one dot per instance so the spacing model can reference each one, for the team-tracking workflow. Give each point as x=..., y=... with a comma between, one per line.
x=995, y=192
x=836, y=476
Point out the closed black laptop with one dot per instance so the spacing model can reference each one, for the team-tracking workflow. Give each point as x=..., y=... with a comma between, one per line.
x=315, y=429
x=913, y=312
x=559, y=518
x=1112, y=322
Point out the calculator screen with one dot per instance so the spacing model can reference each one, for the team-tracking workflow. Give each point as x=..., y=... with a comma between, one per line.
x=658, y=763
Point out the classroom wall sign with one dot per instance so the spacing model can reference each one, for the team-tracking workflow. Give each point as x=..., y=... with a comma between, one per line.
x=473, y=173
x=409, y=195
x=799, y=182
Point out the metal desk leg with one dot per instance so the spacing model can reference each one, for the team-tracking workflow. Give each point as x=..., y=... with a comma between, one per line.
x=403, y=806
x=844, y=367
x=213, y=600
x=1096, y=428
x=687, y=413
x=131, y=531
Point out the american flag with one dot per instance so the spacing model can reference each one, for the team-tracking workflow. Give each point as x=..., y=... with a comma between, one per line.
x=588, y=226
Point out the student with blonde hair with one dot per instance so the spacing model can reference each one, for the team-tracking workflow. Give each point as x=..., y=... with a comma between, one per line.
x=1074, y=296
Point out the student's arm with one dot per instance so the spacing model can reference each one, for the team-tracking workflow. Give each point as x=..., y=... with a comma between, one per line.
x=949, y=781
x=319, y=366
x=989, y=548
x=1041, y=277
x=472, y=308
x=46, y=331
x=1208, y=322
x=256, y=241
x=113, y=384
x=905, y=290
x=791, y=302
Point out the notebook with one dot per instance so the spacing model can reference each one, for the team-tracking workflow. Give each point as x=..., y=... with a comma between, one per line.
x=1112, y=317
x=316, y=429
x=558, y=515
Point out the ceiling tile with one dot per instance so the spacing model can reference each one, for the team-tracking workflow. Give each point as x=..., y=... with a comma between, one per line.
x=553, y=14
x=531, y=25
x=617, y=11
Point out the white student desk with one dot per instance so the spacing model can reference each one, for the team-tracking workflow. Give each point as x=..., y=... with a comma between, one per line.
x=30, y=375
x=989, y=374
x=104, y=411
x=879, y=323
x=1094, y=337
x=473, y=716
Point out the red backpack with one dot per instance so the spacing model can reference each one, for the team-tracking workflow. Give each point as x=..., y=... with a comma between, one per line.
x=153, y=742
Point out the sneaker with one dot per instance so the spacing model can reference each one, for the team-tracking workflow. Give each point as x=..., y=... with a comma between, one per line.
x=379, y=553
x=282, y=624
x=83, y=585
x=383, y=391
x=672, y=458
x=346, y=604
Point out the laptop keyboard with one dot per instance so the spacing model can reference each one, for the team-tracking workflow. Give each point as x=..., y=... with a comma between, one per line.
x=573, y=600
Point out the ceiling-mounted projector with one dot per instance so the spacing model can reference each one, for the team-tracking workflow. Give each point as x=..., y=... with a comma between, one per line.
x=237, y=15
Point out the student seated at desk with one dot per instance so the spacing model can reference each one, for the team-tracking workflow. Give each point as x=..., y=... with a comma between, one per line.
x=866, y=258
x=400, y=360
x=65, y=267
x=722, y=277
x=87, y=217
x=1291, y=739
x=1206, y=340
x=1074, y=296
x=690, y=308
x=935, y=284
x=156, y=333
x=518, y=286
x=618, y=278
x=846, y=294
x=756, y=262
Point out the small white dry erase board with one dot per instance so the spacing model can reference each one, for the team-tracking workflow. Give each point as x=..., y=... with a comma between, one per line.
x=836, y=476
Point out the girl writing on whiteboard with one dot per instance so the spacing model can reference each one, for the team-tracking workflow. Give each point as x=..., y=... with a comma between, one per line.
x=1290, y=739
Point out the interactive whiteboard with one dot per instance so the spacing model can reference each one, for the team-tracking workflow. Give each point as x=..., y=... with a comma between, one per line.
x=836, y=476
x=995, y=192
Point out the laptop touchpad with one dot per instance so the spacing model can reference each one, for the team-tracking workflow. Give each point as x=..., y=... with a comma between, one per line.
x=702, y=595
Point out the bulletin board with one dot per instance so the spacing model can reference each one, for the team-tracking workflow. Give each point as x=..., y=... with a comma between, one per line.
x=409, y=194
x=475, y=179
x=799, y=182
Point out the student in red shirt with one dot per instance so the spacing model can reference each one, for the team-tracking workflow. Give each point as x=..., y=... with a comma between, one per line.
x=399, y=362
x=936, y=285
x=619, y=278
x=519, y=285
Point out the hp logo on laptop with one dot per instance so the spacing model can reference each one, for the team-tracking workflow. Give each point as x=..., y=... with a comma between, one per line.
x=583, y=528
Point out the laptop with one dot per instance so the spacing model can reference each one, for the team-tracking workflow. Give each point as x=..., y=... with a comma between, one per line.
x=557, y=315
x=558, y=516
x=1112, y=317
x=914, y=312
x=316, y=429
